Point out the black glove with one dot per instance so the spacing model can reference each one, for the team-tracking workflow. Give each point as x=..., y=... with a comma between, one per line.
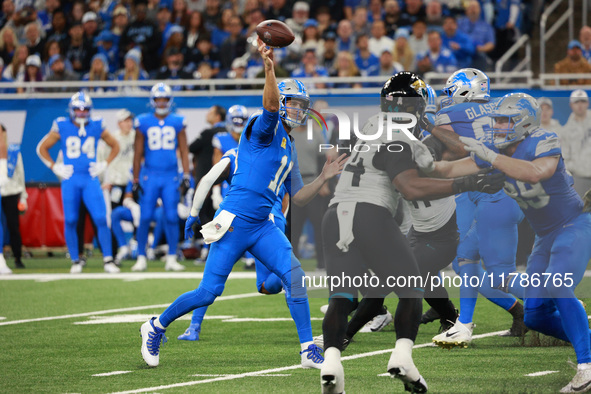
x=425, y=124
x=136, y=189
x=185, y=185
x=483, y=181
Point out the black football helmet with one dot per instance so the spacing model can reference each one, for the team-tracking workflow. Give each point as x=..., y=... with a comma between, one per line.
x=405, y=92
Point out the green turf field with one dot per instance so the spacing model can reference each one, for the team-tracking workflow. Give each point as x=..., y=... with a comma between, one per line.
x=92, y=328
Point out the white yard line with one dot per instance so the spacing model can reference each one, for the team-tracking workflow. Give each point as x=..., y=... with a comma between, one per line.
x=111, y=373
x=541, y=373
x=118, y=310
x=281, y=369
x=126, y=276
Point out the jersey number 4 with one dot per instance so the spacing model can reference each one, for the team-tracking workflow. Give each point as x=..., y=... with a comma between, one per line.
x=161, y=138
x=74, y=148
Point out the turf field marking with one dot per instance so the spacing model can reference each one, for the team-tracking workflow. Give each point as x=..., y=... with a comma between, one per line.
x=266, y=319
x=125, y=276
x=119, y=310
x=542, y=373
x=111, y=373
x=137, y=318
x=208, y=375
x=281, y=369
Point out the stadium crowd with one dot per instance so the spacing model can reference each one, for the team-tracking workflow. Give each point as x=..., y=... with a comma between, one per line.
x=104, y=40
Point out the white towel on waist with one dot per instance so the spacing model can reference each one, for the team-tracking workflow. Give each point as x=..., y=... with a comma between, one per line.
x=345, y=214
x=215, y=230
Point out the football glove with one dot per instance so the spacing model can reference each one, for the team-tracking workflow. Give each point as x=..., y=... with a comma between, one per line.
x=63, y=171
x=425, y=124
x=97, y=168
x=134, y=207
x=191, y=220
x=483, y=181
x=422, y=157
x=136, y=189
x=479, y=149
x=185, y=184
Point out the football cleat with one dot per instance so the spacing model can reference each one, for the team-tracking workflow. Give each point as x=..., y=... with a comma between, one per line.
x=458, y=335
x=111, y=268
x=319, y=341
x=123, y=253
x=191, y=333
x=76, y=268
x=378, y=323
x=172, y=264
x=140, y=265
x=332, y=374
x=151, y=338
x=4, y=270
x=311, y=357
x=581, y=382
x=403, y=368
x=430, y=316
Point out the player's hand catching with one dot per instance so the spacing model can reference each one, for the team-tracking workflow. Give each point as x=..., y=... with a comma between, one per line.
x=422, y=157
x=483, y=181
x=97, y=168
x=63, y=171
x=267, y=54
x=191, y=220
x=333, y=168
x=136, y=189
x=479, y=149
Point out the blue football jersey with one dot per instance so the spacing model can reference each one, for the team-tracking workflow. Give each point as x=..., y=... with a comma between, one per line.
x=160, y=140
x=278, y=206
x=548, y=204
x=467, y=119
x=79, y=148
x=224, y=142
x=266, y=160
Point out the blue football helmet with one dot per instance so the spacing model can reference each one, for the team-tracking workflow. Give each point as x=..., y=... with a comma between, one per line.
x=161, y=90
x=236, y=118
x=521, y=111
x=467, y=84
x=293, y=91
x=80, y=106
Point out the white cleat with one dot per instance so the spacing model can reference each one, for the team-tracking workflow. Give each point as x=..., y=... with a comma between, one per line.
x=332, y=374
x=403, y=368
x=140, y=265
x=122, y=253
x=172, y=264
x=111, y=268
x=151, y=340
x=581, y=383
x=4, y=270
x=76, y=268
x=458, y=335
x=378, y=323
x=311, y=357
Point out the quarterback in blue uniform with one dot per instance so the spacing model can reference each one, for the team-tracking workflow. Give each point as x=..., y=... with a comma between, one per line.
x=537, y=179
x=484, y=220
x=158, y=136
x=79, y=135
x=267, y=282
x=264, y=163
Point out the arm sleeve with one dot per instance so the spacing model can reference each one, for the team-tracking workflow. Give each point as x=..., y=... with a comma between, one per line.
x=265, y=126
x=206, y=183
x=394, y=162
x=294, y=183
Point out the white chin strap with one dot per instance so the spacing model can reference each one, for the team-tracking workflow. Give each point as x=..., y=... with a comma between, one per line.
x=81, y=130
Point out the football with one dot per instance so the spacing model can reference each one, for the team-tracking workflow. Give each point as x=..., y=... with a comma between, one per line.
x=275, y=34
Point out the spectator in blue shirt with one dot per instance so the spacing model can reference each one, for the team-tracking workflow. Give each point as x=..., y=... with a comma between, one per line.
x=437, y=58
x=507, y=23
x=345, y=39
x=459, y=43
x=364, y=59
x=585, y=39
x=105, y=45
x=310, y=68
x=480, y=32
